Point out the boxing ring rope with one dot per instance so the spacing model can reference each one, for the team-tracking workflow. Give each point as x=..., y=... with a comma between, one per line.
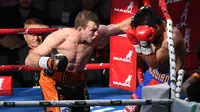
x=175, y=93
x=27, y=30
x=72, y=103
x=5, y=68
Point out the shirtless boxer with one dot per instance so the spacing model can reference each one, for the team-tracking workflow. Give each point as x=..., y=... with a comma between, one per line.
x=62, y=77
x=34, y=40
x=147, y=33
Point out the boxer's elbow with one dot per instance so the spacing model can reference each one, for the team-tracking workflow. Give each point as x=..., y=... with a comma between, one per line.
x=28, y=60
x=32, y=60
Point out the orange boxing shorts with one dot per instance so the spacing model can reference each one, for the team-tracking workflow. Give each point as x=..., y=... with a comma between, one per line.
x=64, y=86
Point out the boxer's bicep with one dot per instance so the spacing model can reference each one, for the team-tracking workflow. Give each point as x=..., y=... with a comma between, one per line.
x=52, y=41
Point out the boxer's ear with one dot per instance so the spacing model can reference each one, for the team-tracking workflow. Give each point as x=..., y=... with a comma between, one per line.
x=79, y=28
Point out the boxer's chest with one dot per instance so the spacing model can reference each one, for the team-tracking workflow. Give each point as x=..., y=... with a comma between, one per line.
x=77, y=54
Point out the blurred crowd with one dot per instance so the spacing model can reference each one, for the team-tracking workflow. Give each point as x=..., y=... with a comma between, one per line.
x=54, y=13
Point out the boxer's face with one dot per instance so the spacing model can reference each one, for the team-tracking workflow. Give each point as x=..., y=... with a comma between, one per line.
x=34, y=40
x=90, y=32
x=25, y=4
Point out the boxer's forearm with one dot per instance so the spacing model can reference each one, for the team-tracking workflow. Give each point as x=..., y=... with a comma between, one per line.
x=109, y=30
x=32, y=60
x=114, y=29
x=124, y=25
x=188, y=82
x=150, y=60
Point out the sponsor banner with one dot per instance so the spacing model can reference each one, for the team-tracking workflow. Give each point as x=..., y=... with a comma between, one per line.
x=122, y=9
x=123, y=64
x=122, y=55
x=5, y=85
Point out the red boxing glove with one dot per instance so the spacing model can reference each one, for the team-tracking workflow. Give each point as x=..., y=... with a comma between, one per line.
x=145, y=33
x=130, y=33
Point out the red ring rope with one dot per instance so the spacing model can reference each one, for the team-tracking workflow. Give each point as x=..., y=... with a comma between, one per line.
x=5, y=68
x=146, y=3
x=163, y=6
x=27, y=30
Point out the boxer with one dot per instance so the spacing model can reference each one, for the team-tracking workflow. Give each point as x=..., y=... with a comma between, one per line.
x=147, y=33
x=62, y=77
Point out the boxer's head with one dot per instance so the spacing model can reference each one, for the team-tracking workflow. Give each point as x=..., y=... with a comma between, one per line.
x=87, y=23
x=33, y=40
x=145, y=18
x=26, y=4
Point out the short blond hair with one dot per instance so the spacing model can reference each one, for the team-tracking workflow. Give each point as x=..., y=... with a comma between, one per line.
x=84, y=17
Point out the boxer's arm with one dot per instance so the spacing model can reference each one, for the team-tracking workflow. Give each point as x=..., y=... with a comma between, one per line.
x=150, y=60
x=114, y=29
x=162, y=54
x=45, y=48
x=195, y=77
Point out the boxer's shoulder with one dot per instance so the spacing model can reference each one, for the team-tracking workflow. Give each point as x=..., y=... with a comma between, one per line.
x=176, y=32
x=63, y=33
x=66, y=30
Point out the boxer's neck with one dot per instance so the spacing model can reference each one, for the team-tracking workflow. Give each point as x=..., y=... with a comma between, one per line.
x=161, y=29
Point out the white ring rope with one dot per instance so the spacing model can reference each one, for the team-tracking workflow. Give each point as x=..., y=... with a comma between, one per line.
x=172, y=57
x=179, y=82
x=71, y=103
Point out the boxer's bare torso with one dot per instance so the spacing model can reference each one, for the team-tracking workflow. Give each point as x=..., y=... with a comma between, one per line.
x=69, y=42
x=77, y=53
x=162, y=53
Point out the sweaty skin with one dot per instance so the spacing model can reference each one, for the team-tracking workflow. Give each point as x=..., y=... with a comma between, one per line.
x=160, y=58
x=68, y=41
